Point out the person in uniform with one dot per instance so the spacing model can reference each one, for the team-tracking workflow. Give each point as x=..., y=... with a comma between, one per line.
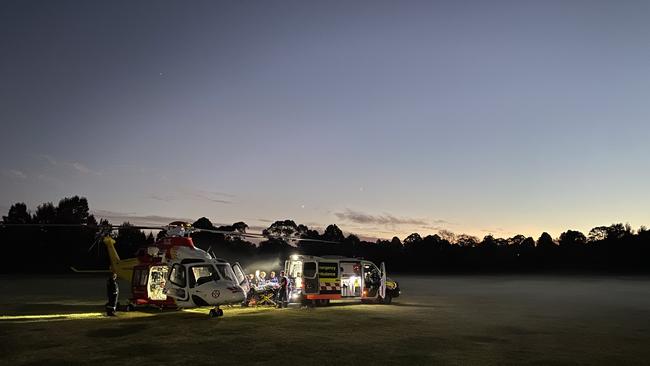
x=112, y=292
x=283, y=291
x=262, y=279
x=272, y=278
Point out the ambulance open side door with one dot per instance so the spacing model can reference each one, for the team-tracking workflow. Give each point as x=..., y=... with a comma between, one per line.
x=382, y=285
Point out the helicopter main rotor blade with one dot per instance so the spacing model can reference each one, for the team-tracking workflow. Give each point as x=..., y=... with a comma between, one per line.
x=189, y=229
x=113, y=227
x=262, y=236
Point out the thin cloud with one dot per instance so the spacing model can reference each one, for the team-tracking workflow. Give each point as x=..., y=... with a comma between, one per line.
x=224, y=194
x=191, y=194
x=161, y=198
x=385, y=219
x=216, y=197
x=13, y=173
x=497, y=230
x=48, y=179
x=70, y=164
x=117, y=218
x=433, y=228
x=83, y=169
x=48, y=158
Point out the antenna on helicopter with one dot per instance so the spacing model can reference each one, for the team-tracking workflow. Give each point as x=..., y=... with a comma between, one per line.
x=209, y=251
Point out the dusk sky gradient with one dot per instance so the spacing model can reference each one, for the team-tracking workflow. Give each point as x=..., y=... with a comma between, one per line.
x=383, y=117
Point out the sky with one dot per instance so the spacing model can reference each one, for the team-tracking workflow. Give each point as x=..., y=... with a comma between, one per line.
x=383, y=117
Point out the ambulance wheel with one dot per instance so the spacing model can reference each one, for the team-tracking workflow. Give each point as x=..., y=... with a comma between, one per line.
x=129, y=307
x=387, y=300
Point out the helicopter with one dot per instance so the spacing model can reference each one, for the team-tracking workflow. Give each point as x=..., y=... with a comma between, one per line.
x=173, y=273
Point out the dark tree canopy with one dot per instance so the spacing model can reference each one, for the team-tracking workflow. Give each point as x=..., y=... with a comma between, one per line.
x=572, y=238
x=605, y=248
x=545, y=241
x=17, y=214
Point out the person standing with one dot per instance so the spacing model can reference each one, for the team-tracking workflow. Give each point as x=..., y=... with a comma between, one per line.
x=112, y=292
x=283, y=291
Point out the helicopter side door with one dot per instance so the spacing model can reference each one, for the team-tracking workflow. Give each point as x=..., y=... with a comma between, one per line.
x=242, y=279
x=203, y=289
x=176, y=287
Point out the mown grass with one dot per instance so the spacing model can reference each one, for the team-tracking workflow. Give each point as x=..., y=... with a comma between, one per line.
x=442, y=323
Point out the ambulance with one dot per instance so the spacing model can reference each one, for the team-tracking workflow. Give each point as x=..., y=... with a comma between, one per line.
x=317, y=280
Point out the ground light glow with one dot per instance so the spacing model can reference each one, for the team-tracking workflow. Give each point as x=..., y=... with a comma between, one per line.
x=60, y=317
x=50, y=317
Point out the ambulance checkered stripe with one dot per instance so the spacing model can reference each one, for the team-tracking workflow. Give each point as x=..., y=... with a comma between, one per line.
x=330, y=286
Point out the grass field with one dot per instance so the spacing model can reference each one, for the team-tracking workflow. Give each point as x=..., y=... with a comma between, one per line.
x=445, y=320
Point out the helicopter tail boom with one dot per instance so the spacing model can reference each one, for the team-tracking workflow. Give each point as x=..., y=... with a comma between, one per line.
x=123, y=267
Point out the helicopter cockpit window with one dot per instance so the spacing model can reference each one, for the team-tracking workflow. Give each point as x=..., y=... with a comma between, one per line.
x=177, y=275
x=226, y=272
x=202, y=274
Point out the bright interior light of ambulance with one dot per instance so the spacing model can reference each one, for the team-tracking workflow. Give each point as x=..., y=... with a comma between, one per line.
x=299, y=282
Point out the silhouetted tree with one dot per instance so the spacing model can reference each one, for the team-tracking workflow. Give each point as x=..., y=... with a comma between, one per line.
x=203, y=223
x=611, y=248
x=468, y=241
x=73, y=210
x=545, y=241
x=45, y=214
x=18, y=214
x=333, y=233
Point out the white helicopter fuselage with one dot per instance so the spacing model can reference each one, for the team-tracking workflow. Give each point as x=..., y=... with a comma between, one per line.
x=196, y=279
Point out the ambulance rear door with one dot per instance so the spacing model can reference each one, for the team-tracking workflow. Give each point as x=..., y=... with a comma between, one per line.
x=310, y=276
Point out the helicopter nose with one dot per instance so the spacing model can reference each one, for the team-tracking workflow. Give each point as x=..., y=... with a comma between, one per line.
x=238, y=294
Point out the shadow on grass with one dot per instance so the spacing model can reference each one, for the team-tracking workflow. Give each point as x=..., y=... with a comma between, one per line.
x=396, y=304
x=53, y=308
x=114, y=332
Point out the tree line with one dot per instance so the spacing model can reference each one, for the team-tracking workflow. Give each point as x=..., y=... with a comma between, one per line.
x=36, y=249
